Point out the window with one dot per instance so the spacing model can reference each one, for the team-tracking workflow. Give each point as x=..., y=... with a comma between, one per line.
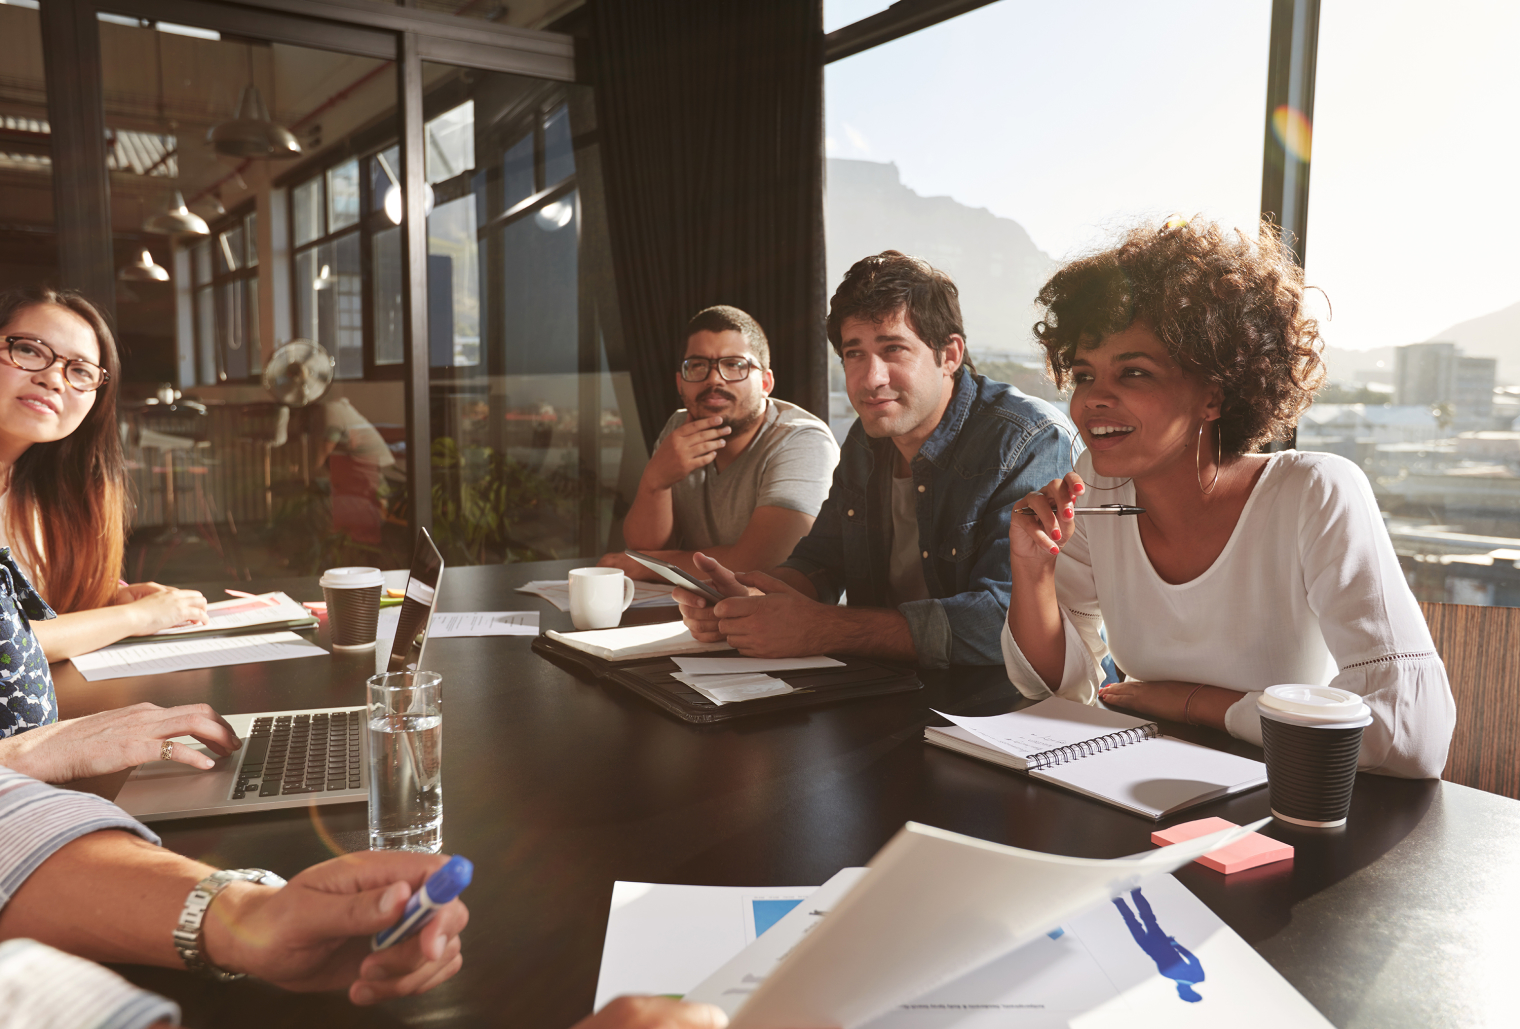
x=1411, y=209
x=1038, y=133
x=329, y=276
x=225, y=272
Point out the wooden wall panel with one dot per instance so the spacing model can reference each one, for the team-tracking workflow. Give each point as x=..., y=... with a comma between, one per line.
x=1481, y=648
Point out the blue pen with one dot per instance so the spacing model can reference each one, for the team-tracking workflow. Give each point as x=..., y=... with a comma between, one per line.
x=441, y=887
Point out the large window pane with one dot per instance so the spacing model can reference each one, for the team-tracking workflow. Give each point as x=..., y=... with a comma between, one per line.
x=27, y=244
x=1412, y=209
x=390, y=338
x=306, y=209
x=343, y=196
x=451, y=143
x=1029, y=132
x=528, y=440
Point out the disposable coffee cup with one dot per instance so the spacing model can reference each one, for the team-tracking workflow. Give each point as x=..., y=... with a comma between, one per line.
x=1312, y=736
x=353, y=606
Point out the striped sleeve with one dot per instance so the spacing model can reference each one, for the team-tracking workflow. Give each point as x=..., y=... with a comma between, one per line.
x=41, y=988
x=37, y=819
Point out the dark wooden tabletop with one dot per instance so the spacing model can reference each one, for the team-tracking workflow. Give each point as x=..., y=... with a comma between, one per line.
x=556, y=786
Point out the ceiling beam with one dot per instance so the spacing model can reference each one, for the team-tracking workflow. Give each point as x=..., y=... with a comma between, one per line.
x=896, y=21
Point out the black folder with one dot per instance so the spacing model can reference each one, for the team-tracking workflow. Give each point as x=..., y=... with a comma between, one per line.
x=651, y=679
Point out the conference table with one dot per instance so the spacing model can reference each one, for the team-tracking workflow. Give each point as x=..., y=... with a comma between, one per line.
x=556, y=785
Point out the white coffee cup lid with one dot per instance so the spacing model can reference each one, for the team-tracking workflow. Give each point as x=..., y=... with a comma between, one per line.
x=351, y=578
x=1313, y=705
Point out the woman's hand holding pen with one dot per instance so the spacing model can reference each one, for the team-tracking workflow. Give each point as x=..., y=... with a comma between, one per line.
x=1036, y=538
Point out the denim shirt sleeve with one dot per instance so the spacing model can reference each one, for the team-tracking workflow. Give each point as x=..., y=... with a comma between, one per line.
x=26, y=683
x=966, y=629
x=820, y=554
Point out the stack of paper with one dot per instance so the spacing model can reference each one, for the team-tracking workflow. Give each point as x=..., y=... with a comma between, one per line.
x=725, y=680
x=629, y=642
x=557, y=592
x=268, y=611
x=124, y=660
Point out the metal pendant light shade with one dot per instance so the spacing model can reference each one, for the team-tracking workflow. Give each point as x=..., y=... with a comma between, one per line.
x=252, y=134
x=177, y=220
x=143, y=270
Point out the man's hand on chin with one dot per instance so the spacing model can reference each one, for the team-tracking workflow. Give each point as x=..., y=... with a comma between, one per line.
x=774, y=621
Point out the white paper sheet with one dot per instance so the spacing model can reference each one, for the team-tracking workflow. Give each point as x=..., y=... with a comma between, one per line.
x=120, y=661
x=1050, y=724
x=1163, y=960
x=735, y=665
x=663, y=939
x=728, y=689
x=455, y=624
x=935, y=906
x=557, y=592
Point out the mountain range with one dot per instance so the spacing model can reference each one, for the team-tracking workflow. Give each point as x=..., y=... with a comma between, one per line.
x=999, y=269
x=994, y=263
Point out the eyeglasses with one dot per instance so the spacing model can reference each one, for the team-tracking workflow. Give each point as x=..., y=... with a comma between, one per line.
x=33, y=355
x=732, y=369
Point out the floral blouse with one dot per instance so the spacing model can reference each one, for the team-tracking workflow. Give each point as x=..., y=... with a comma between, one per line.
x=26, y=684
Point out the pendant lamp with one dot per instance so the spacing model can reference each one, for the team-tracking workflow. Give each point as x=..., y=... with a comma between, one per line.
x=252, y=133
x=177, y=220
x=143, y=270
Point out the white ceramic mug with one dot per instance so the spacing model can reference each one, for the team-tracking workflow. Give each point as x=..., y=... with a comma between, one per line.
x=598, y=597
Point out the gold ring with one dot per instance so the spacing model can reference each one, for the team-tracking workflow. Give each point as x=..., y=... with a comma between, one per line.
x=166, y=752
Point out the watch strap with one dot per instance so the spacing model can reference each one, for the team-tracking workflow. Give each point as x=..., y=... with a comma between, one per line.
x=190, y=935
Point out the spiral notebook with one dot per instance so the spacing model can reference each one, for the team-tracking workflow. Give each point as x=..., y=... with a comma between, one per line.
x=1112, y=757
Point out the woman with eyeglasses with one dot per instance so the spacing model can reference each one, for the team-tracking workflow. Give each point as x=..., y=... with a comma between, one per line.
x=1187, y=349
x=62, y=533
x=63, y=500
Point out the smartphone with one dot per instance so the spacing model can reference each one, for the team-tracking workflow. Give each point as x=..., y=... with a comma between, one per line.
x=671, y=573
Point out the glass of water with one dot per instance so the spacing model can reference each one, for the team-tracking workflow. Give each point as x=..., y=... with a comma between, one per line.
x=406, y=761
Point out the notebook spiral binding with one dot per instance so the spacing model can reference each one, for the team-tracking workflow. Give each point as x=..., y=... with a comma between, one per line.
x=1061, y=755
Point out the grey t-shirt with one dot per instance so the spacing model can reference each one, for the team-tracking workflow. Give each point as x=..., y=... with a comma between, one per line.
x=789, y=463
x=905, y=566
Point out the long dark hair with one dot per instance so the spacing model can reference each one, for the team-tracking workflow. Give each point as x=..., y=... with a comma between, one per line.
x=67, y=507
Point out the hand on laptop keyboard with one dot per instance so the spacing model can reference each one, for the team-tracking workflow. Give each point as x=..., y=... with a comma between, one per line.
x=110, y=741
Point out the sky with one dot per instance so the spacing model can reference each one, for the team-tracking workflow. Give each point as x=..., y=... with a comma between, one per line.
x=1076, y=118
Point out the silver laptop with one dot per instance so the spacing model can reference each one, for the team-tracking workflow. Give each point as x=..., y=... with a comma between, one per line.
x=291, y=758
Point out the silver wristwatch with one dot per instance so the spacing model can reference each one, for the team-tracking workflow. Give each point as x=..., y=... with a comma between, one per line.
x=190, y=937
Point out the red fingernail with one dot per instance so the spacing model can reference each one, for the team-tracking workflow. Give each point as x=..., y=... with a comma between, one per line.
x=1055, y=550
x=1078, y=488
x=1055, y=534
x=1070, y=511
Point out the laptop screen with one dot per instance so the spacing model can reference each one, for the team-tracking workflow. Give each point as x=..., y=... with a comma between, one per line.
x=417, y=608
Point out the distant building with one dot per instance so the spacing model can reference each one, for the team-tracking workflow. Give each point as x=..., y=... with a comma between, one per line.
x=1437, y=374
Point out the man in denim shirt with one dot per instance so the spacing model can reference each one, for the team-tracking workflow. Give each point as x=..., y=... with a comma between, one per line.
x=915, y=529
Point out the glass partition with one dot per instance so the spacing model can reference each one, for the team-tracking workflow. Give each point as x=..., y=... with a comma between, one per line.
x=28, y=248
x=528, y=414
x=235, y=478
x=1412, y=207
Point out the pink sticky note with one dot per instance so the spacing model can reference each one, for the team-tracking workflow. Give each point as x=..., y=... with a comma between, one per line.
x=1249, y=852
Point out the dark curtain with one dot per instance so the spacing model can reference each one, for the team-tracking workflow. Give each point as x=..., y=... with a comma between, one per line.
x=710, y=119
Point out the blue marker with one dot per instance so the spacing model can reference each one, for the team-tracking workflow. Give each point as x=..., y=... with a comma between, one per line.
x=441, y=887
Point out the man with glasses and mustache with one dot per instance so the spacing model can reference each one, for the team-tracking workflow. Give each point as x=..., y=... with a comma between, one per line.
x=914, y=534
x=736, y=474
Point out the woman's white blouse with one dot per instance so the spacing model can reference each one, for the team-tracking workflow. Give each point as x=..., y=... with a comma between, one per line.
x=1307, y=590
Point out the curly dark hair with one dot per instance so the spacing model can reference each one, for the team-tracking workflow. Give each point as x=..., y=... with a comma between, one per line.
x=1228, y=308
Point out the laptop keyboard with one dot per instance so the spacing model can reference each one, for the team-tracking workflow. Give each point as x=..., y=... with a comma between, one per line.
x=290, y=754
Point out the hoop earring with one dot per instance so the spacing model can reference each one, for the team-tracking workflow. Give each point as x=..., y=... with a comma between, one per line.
x=1073, y=451
x=1198, y=460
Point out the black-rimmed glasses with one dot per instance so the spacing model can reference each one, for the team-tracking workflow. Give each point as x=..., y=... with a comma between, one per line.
x=33, y=355
x=731, y=369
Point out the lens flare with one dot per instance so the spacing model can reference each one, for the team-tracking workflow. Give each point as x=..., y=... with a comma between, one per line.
x=329, y=840
x=1293, y=131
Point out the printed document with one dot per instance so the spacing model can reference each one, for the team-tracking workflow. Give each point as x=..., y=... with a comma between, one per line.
x=120, y=661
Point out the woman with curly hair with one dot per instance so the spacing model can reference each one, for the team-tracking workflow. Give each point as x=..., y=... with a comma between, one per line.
x=1186, y=348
